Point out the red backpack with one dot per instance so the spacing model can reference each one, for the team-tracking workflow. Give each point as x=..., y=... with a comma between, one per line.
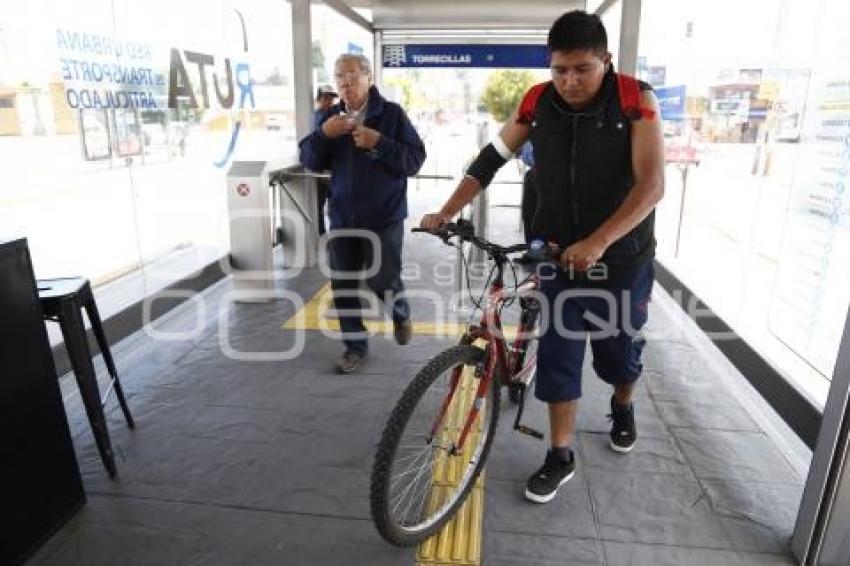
x=627, y=87
x=629, y=91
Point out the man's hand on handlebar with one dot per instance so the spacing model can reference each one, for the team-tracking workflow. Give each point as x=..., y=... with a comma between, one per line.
x=583, y=254
x=434, y=221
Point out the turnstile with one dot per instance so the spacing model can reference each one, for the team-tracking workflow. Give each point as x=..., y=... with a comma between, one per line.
x=269, y=203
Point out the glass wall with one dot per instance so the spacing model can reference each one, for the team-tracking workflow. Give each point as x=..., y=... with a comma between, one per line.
x=119, y=121
x=756, y=108
x=448, y=107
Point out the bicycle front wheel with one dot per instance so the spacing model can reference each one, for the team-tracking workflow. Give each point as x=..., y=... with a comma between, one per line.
x=418, y=479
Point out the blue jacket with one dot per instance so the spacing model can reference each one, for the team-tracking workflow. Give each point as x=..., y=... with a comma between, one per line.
x=318, y=117
x=368, y=188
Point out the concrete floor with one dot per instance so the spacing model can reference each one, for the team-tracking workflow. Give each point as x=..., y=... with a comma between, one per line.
x=268, y=462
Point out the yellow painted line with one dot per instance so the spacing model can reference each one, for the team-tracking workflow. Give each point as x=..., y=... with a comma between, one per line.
x=314, y=316
x=459, y=542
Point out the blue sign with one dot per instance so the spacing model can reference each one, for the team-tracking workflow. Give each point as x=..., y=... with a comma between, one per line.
x=671, y=99
x=355, y=49
x=434, y=55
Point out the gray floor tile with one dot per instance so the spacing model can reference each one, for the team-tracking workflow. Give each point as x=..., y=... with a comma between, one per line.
x=568, y=515
x=140, y=532
x=757, y=517
x=337, y=492
x=517, y=549
x=701, y=412
x=734, y=455
x=236, y=424
x=633, y=554
x=650, y=455
x=757, y=559
x=653, y=509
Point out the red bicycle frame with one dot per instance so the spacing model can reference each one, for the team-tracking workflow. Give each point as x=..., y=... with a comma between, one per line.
x=499, y=361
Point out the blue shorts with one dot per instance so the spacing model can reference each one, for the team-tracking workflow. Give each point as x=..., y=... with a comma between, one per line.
x=609, y=312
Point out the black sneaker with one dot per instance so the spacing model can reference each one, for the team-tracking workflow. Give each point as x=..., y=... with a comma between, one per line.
x=349, y=362
x=623, y=431
x=402, y=330
x=543, y=485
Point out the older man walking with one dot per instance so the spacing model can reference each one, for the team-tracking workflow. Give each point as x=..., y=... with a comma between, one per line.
x=370, y=147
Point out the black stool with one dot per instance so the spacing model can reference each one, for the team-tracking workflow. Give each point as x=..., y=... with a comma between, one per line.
x=62, y=301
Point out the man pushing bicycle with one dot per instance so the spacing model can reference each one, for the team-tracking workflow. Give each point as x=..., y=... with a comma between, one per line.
x=599, y=160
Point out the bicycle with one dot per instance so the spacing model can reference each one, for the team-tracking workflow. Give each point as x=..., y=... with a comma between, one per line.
x=438, y=436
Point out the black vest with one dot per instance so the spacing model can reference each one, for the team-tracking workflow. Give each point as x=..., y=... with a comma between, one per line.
x=583, y=168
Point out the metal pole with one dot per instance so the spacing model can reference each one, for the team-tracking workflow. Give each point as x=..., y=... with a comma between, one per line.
x=684, y=169
x=459, y=276
x=378, y=63
x=480, y=209
x=302, y=49
x=479, y=220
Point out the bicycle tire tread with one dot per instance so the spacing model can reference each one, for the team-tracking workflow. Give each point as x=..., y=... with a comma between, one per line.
x=395, y=428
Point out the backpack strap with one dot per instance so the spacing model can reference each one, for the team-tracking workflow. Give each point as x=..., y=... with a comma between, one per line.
x=629, y=91
x=528, y=106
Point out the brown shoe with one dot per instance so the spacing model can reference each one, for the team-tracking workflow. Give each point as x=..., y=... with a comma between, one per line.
x=402, y=331
x=349, y=362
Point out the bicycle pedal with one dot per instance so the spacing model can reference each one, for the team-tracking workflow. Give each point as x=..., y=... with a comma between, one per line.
x=529, y=431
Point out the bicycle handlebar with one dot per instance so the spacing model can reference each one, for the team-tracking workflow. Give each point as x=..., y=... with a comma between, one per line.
x=538, y=249
x=466, y=231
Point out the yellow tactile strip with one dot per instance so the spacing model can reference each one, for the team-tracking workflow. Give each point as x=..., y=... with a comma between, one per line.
x=313, y=316
x=459, y=542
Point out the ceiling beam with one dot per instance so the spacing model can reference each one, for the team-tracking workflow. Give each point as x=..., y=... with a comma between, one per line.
x=602, y=8
x=455, y=14
x=348, y=12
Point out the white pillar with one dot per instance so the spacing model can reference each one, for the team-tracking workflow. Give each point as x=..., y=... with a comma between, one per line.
x=629, y=35
x=302, y=53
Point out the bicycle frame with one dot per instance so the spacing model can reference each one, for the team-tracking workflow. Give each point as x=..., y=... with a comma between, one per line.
x=499, y=364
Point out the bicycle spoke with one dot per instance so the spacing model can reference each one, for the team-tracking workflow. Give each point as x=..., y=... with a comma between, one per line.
x=427, y=486
x=422, y=503
x=410, y=470
x=418, y=470
x=414, y=454
x=426, y=483
x=407, y=490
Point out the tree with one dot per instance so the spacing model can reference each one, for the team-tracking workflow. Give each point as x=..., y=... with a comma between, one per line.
x=504, y=91
x=404, y=88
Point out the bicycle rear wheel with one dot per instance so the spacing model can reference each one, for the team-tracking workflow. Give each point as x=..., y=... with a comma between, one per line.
x=418, y=483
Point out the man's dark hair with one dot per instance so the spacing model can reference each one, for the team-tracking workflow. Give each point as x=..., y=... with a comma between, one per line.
x=578, y=30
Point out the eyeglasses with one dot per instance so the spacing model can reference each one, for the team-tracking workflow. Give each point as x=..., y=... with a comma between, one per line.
x=348, y=78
